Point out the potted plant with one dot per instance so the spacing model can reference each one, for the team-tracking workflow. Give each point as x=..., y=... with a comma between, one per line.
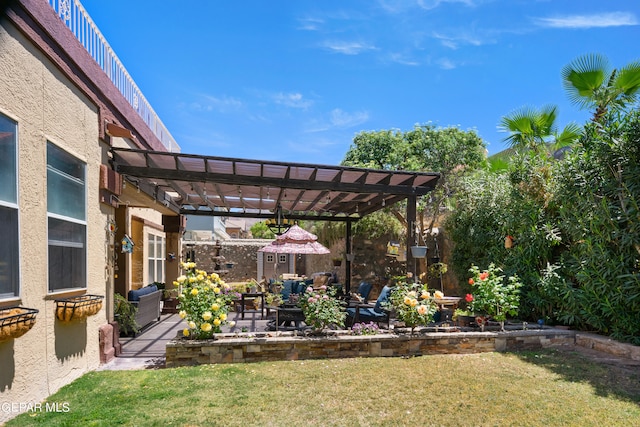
x=437, y=269
x=464, y=317
x=337, y=261
x=273, y=300
x=125, y=315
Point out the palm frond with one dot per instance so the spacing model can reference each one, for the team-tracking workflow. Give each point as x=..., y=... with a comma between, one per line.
x=628, y=79
x=583, y=76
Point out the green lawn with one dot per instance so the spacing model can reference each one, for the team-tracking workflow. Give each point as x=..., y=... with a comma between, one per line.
x=544, y=388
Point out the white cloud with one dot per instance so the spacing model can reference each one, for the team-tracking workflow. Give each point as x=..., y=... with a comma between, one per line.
x=446, y=63
x=337, y=119
x=310, y=24
x=611, y=19
x=222, y=104
x=293, y=100
x=340, y=118
x=400, y=58
x=347, y=48
x=453, y=42
x=432, y=4
x=397, y=6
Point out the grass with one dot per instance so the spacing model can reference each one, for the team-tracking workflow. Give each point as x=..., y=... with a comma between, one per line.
x=542, y=388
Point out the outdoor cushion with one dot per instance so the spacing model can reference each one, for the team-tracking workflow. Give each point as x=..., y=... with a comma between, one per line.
x=287, y=289
x=300, y=287
x=382, y=298
x=365, y=312
x=364, y=289
x=135, y=294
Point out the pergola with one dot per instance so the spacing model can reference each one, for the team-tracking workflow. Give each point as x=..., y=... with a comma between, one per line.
x=218, y=186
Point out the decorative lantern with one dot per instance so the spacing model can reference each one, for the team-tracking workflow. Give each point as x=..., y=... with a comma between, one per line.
x=508, y=242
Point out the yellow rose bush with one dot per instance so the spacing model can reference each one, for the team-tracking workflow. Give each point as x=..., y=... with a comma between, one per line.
x=205, y=300
x=414, y=304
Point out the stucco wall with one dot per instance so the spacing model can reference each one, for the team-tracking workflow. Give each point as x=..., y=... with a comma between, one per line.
x=47, y=107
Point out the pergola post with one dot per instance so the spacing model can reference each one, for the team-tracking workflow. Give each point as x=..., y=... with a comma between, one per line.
x=348, y=250
x=411, y=233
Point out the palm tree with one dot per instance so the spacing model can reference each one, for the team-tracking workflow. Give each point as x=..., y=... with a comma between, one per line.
x=533, y=129
x=591, y=83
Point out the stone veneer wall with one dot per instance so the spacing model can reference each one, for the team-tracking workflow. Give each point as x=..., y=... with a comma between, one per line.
x=243, y=253
x=227, y=348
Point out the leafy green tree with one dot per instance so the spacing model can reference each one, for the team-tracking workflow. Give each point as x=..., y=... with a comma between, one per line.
x=600, y=221
x=259, y=230
x=448, y=151
x=592, y=84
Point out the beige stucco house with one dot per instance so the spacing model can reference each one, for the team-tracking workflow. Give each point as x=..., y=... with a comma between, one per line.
x=63, y=211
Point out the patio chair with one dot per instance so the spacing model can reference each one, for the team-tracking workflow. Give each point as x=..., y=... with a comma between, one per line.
x=364, y=289
x=371, y=312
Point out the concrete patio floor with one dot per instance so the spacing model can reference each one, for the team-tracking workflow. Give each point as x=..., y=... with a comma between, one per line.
x=147, y=350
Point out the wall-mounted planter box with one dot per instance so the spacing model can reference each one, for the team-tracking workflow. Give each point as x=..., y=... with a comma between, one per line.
x=16, y=321
x=77, y=308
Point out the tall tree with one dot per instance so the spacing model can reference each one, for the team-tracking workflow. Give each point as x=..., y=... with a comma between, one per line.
x=447, y=151
x=534, y=129
x=591, y=83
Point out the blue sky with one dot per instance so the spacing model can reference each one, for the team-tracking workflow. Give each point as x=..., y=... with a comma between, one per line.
x=295, y=80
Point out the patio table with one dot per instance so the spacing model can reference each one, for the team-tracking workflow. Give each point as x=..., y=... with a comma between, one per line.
x=251, y=295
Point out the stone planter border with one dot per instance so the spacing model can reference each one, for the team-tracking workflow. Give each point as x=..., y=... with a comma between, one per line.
x=272, y=346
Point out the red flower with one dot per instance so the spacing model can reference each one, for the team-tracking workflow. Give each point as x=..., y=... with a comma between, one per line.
x=469, y=298
x=471, y=282
x=484, y=275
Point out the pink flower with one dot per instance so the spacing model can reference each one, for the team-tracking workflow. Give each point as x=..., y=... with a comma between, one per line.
x=468, y=298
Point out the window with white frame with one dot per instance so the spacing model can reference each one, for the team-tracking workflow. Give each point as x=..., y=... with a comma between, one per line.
x=67, y=226
x=10, y=247
x=271, y=259
x=156, y=258
x=282, y=258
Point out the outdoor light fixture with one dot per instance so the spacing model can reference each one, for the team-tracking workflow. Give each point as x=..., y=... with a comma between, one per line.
x=279, y=224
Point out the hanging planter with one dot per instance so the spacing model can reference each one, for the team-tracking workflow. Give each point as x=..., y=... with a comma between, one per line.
x=419, y=251
x=76, y=308
x=337, y=262
x=350, y=257
x=16, y=321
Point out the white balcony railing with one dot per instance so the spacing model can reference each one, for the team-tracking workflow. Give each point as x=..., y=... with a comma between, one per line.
x=76, y=18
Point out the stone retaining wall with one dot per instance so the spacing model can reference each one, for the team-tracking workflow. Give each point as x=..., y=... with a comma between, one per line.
x=262, y=347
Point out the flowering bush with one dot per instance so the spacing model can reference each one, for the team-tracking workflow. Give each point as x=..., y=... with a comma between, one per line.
x=204, y=302
x=414, y=304
x=321, y=308
x=493, y=294
x=365, y=328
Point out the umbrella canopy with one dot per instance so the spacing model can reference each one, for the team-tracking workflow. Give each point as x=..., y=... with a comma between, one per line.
x=296, y=240
x=295, y=248
x=296, y=234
